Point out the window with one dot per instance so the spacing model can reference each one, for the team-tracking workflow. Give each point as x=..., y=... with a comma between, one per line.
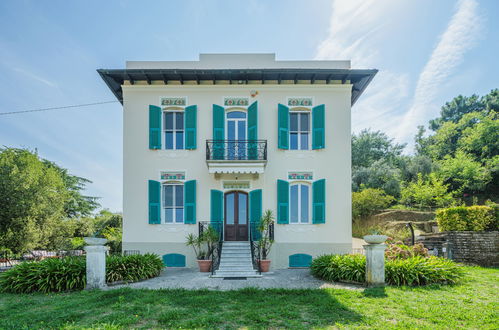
x=299, y=130
x=173, y=203
x=174, y=129
x=299, y=203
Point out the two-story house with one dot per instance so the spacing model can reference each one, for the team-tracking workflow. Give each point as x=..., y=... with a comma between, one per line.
x=224, y=138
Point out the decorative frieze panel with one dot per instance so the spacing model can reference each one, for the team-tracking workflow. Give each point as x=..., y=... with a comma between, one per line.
x=236, y=185
x=174, y=101
x=300, y=102
x=300, y=176
x=236, y=101
x=172, y=175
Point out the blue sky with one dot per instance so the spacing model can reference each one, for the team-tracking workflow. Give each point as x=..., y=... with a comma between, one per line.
x=427, y=52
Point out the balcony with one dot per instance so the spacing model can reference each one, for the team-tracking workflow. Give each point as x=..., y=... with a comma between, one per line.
x=236, y=156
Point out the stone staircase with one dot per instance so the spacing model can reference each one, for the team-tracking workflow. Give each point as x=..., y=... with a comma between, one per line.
x=235, y=261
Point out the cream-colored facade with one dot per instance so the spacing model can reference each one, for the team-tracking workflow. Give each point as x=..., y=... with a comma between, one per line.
x=332, y=163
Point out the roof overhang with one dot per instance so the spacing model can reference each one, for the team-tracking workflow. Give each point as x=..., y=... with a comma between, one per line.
x=115, y=78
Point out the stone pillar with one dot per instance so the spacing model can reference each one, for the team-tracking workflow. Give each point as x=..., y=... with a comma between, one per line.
x=375, y=264
x=96, y=266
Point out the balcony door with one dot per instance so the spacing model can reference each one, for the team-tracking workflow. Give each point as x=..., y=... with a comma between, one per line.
x=236, y=135
x=236, y=216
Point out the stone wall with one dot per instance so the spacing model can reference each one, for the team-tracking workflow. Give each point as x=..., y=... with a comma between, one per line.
x=481, y=248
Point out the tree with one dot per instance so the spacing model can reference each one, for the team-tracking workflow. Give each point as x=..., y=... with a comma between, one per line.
x=369, y=147
x=482, y=139
x=454, y=110
x=32, y=199
x=426, y=193
x=380, y=175
x=463, y=173
x=77, y=205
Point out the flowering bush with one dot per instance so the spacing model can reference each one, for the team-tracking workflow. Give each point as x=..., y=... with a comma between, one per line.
x=399, y=250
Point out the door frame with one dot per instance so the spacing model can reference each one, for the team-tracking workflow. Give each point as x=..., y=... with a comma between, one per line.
x=236, y=214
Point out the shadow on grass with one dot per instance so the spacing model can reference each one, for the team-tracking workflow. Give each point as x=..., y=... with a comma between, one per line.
x=375, y=292
x=254, y=308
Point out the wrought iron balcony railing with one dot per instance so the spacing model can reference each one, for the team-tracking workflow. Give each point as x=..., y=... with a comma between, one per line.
x=236, y=150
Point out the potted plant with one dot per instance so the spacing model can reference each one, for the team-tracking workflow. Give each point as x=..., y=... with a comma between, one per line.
x=375, y=237
x=204, y=246
x=265, y=242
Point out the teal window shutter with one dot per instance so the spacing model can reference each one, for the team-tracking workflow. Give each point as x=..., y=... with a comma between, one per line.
x=154, y=202
x=282, y=201
x=190, y=202
x=255, y=201
x=283, y=126
x=218, y=131
x=318, y=130
x=253, y=130
x=217, y=209
x=154, y=127
x=190, y=122
x=319, y=201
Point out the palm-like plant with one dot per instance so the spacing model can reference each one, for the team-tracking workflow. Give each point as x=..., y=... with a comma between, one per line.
x=265, y=242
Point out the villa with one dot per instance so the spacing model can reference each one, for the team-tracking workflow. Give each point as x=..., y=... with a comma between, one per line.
x=223, y=139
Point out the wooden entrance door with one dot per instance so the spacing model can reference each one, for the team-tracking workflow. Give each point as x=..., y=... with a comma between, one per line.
x=236, y=216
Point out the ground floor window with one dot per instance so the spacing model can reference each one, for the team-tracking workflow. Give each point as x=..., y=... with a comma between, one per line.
x=173, y=203
x=299, y=203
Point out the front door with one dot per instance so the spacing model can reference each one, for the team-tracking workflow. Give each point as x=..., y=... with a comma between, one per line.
x=236, y=216
x=236, y=135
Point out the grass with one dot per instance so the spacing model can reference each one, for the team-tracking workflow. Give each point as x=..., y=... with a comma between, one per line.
x=473, y=304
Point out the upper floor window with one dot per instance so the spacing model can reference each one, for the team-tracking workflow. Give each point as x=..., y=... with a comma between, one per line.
x=173, y=202
x=299, y=203
x=174, y=129
x=299, y=130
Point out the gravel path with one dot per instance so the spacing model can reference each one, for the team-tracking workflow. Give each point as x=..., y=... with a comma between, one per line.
x=185, y=278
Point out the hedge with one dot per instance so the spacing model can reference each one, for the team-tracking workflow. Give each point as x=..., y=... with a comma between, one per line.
x=413, y=271
x=468, y=218
x=69, y=273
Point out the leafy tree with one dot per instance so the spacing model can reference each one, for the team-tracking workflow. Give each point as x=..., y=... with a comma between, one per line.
x=368, y=201
x=454, y=110
x=426, y=193
x=412, y=166
x=77, y=205
x=32, y=199
x=463, y=174
x=380, y=175
x=482, y=139
x=369, y=147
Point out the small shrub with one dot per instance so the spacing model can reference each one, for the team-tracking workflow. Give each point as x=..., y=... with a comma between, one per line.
x=133, y=268
x=69, y=273
x=402, y=251
x=368, y=201
x=472, y=218
x=416, y=270
x=49, y=275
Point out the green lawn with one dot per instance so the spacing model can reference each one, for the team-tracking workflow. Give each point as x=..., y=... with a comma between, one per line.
x=473, y=304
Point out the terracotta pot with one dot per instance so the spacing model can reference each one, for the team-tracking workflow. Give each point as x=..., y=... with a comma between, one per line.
x=204, y=266
x=264, y=265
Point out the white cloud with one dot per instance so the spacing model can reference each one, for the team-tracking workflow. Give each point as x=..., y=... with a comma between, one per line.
x=459, y=36
x=33, y=76
x=359, y=28
x=356, y=29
